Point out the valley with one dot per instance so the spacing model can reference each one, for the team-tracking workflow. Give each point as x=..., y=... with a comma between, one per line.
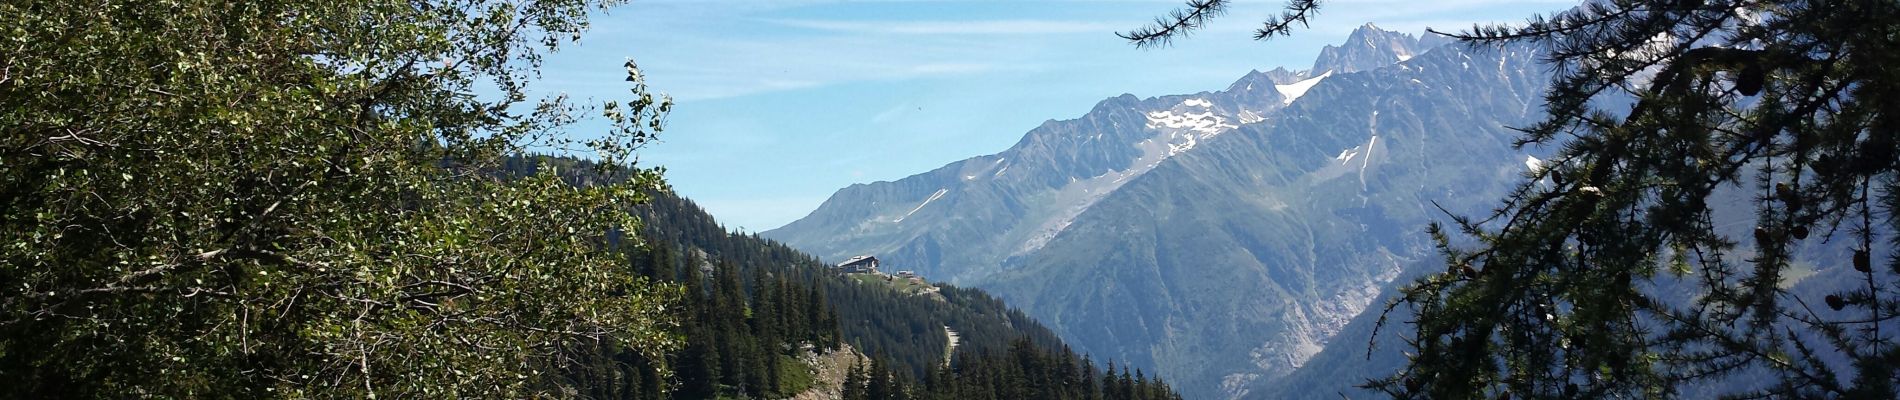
x=972, y=200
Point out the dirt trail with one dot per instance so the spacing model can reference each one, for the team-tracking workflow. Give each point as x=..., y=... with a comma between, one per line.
x=952, y=348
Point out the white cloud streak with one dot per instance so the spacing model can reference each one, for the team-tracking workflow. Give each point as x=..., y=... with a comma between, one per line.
x=721, y=68
x=984, y=27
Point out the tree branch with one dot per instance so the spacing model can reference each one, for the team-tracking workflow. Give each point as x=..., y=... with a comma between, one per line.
x=1178, y=23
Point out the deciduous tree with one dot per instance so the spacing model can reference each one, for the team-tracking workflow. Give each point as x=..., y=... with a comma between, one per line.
x=238, y=198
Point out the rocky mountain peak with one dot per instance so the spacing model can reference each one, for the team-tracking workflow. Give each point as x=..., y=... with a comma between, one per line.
x=1254, y=80
x=1126, y=100
x=1257, y=91
x=1367, y=48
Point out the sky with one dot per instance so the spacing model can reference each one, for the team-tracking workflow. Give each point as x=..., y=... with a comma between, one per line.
x=780, y=103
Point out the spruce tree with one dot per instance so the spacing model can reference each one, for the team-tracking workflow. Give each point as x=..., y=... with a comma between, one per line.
x=696, y=368
x=880, y=386
x=854, y=383
x=1087, y=385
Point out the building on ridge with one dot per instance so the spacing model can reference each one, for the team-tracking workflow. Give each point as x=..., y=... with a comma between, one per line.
x=859, y=265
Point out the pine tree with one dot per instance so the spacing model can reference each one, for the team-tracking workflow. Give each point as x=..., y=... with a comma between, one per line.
x=880, y=386
x=1607, y=273
x=1087, y=385
x=697, y=368
x=818, y=316
x=1125, y=385
x=992, y=364
x=855, y=384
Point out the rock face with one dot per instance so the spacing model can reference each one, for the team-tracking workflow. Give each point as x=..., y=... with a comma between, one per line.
x=1369, y=48
x=963, y=219
x=829, y=370
x=1221, y=237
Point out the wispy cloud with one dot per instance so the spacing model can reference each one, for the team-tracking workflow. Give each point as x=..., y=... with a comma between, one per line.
x=981, y=27
x=729, y=68
x=893, y=112
x=713, y=83
x=784, y=101
x=952, y=68
x=709, y=86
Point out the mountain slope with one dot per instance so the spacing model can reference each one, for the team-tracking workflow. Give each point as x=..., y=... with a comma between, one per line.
x=881, y=322
x=1241, y=260
x=1273, y=214
x=960, y=220
x=903, y=333
x=757, y=319
x=1821, y=268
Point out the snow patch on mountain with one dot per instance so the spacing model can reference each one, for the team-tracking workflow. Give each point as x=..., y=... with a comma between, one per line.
x=1077, y=197
x=920, y=206
x=1249, y=116
x=1346, y=156
x=1366, y=163
x=1294, y=90
x=1204, y=122
x=1177, y=148
x=1175, y=133
x=1236, y=384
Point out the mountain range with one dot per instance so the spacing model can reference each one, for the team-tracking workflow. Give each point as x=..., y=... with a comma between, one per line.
x=1222, y=238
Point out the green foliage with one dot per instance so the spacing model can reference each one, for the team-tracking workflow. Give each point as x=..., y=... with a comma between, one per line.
x=1026, y=370
x=235, y=199
x=904, y=329
x=1608, y=274
x=791, y=303
x=794, y=377
x=854, y=384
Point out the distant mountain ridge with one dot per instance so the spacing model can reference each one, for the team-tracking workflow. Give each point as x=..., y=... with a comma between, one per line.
x=1220, y=237
x=1369, y=48
x=1030, y=191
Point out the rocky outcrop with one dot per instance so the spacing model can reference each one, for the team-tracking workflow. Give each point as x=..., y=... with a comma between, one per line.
x=828, y=370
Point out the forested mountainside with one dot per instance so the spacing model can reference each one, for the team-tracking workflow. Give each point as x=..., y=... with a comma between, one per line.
x=752, y=311
x=1220, y=238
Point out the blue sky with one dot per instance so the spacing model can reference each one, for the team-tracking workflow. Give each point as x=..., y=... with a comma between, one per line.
x=780, y=103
